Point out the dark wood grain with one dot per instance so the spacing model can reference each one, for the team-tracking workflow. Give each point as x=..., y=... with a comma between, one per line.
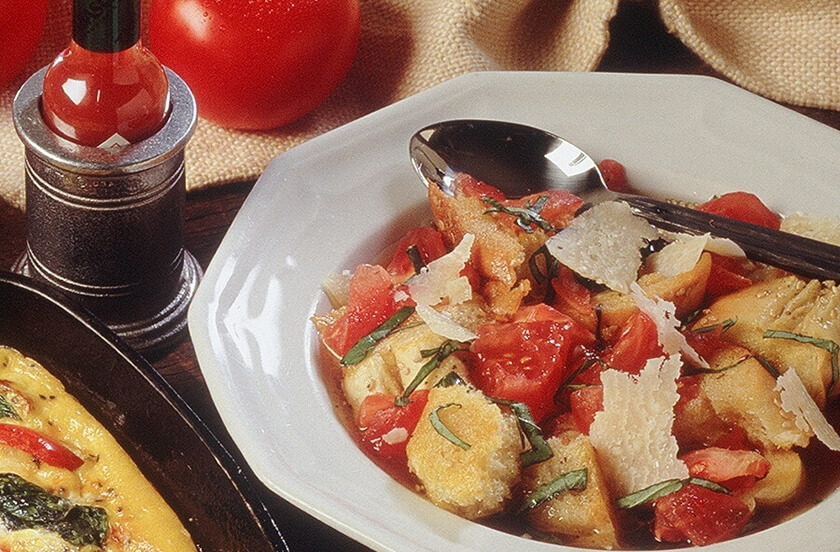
x=639, y=43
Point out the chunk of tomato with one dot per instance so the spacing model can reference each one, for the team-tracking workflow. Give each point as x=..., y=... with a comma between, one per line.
x=637, y=342
x=371, y=302
x=429, y=245
x=726, y=275
x=743, y=206
x=585, y=402
x=385, y=427
x=526, y=360
x=722, y=465
x=615, y=176
x=699, y=516
x=573, y=298
x=558, y=209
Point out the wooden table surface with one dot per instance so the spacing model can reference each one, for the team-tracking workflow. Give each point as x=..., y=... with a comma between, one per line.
x=639, y=43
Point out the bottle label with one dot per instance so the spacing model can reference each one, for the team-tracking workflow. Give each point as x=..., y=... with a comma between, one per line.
x=114, y=143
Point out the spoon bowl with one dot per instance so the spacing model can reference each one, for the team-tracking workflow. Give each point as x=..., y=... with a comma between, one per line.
x=521, y=160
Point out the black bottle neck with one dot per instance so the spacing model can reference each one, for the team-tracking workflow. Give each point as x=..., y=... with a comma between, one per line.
x=106, y=26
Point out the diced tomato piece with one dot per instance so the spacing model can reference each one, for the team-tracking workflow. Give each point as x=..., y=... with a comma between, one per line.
x=44, y=448
x=699, y=516
x=722, y=465
x=429, y=244
x=585, y=403
x=371, y=302
x=385, y=427
x=637, y=342
x=707, y=341
x=615, y=176
x=726, y=276
x=558, y=210
x=526, y=359
x=466, y=185
x=574, y=299
x=743, y=206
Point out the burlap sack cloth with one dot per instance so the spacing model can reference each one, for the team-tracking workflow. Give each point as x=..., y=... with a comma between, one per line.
x=787, y=50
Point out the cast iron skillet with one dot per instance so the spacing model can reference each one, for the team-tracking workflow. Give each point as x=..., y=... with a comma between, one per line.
x=175, y=450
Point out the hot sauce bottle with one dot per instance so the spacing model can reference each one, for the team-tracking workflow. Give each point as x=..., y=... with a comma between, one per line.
x=105, y=89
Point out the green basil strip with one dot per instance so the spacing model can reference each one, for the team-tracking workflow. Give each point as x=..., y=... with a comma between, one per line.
x=826, y=344
x=7, y=410
x=359, y=351
x=772, y=370
x=571, y=481
x=724, y=326
x=437, y=356
x=663, y=488
x=450, y=379
x=526, y=217
x=445, y=432
x=540, y=451
x=416, y=258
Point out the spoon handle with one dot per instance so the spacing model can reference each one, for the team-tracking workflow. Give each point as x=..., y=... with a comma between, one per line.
x=797, y=254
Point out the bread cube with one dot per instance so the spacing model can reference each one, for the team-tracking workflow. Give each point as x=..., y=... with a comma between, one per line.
x=476, y=480
x=743, y=394
x=685, y=290
x=788, y=304
x=577, y=518
x=784, y=480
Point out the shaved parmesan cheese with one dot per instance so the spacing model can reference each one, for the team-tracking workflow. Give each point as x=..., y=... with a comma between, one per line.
x=632, y=434
x=443, y=325
x=396, y=436
x=679, y=256
x=442, y=279
x=604, y=244
x=682, y=254
x=663, y=314
x=797, y=401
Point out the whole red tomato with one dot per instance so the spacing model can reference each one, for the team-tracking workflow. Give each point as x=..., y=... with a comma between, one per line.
x=21, y=26
x=256, y=64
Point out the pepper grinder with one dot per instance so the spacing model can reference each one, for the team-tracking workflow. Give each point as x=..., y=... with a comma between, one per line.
x=106, y=226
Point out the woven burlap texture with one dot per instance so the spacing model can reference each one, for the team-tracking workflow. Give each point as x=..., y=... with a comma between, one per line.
x=784, y=49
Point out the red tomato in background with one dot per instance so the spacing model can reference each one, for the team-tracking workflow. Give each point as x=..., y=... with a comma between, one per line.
x=743, y=206
x=256, y=64
x=21, y=26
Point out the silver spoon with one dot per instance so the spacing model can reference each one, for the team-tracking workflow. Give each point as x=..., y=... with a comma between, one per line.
x=521, y=160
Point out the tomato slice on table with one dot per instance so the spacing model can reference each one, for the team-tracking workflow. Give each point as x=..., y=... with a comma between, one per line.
x=526, y=360
x=743, y=206
x=371, y=302
x=40, y=446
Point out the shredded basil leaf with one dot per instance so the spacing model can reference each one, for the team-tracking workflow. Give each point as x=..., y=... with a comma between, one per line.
x=772, y=370
x=359, y=351
x=663, y=488
x=571, y=481
x=540, y=451
x=724, y=326
x=416, y=258
x=526, y=217
x=24, y=505
x=450, y=379
x=445, y=432
x=826, y=344
x=437, y=357
x=7, y=410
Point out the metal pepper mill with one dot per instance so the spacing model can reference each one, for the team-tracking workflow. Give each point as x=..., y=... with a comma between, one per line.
x=107, y=227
